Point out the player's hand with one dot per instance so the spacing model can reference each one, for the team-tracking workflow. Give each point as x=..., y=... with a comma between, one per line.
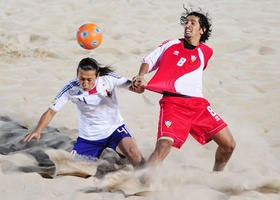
x=138, y=81
x=34, y=134
x=138, y=84
x=137, y=89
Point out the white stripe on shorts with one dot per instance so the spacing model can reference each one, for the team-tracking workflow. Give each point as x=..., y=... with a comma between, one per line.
x=166, y=138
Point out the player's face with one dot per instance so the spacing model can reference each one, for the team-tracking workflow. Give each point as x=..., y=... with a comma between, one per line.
x=87, y=79
x=192, y=28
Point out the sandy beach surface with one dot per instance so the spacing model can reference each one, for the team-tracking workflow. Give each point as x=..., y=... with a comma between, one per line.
x=39, y=55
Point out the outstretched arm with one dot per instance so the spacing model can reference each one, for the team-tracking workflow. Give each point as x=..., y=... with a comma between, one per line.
x=43, y=122
x=128, y=85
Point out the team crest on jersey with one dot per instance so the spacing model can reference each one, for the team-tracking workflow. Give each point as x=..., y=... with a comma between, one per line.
x=193, y=58
x=109, y=93
x=167, y=123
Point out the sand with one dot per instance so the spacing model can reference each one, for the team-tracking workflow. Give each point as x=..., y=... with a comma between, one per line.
x=39, y=54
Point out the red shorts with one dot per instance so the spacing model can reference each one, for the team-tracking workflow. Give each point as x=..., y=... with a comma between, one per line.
x=180, y=116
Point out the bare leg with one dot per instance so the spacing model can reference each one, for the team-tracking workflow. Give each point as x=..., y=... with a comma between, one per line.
x=162, y=149
x=129, y=149
x=226, y=145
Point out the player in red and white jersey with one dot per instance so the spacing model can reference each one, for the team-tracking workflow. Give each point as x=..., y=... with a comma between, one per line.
x=179, y=70
x=100, y=122
x=183, y=110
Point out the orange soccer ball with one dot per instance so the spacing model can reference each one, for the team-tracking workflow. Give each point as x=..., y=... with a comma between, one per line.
x=89, y=36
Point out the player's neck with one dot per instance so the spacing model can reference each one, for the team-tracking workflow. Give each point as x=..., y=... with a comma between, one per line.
x=188, y=45
x=192, y=41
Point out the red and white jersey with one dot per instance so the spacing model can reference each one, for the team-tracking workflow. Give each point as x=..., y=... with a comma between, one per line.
x=179, y=70
x=97, y=109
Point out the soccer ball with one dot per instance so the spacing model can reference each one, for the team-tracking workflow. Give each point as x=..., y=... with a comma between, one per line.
x=89, y=36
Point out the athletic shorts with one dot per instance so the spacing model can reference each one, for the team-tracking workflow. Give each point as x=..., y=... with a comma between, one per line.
x=180, y=116
x=93, y=149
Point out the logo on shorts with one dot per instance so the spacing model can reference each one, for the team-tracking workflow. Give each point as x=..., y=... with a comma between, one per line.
x=168, y=123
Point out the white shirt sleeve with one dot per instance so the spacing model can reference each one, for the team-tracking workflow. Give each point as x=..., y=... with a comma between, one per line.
x=61, y=99
x=154, y=57
x=120, y=81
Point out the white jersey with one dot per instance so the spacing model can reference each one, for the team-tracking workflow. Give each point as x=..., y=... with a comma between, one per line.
x=98, y=110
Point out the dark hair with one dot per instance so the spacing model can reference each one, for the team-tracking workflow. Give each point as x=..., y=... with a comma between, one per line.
x=92, y=64
x=204, y=21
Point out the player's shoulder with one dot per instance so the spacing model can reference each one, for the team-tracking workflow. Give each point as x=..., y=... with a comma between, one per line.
x=111, y=76
x=207, y=51
x=69, y=88
x=170, y=42
x=73, y=83
x=113, y=79
x=205, y=47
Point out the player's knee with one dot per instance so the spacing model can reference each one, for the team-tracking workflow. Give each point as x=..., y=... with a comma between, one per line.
x=229, y=147
x=135, y=157
x=164, y=144
x=232, y=145
x=134, y=152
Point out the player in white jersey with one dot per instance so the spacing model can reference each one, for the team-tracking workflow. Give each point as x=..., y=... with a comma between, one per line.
x=100, y=122
x=183, y=110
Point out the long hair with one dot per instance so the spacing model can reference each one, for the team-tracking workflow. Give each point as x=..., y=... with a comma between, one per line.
x=91, y=64
x=204, y=21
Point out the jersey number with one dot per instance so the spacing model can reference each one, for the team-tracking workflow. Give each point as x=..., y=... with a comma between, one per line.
x=122, y=129
x=181, y=62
